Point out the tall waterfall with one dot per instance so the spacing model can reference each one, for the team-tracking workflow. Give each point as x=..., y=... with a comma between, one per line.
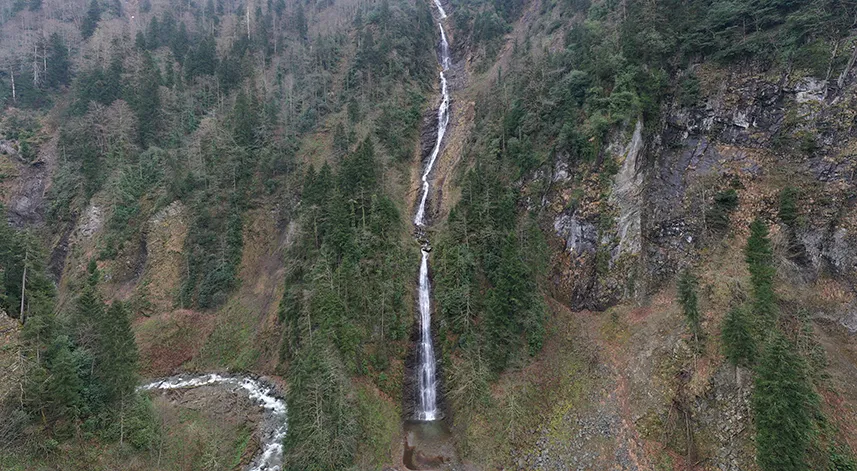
x=442, y=123
x=427, y=408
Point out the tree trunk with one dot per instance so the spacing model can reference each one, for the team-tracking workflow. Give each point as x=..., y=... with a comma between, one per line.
x=841, y=81
x=24, y=284
x=14, y=97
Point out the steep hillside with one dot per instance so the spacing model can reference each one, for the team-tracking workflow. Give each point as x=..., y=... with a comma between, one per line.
x=641, y=228
x=644, y=138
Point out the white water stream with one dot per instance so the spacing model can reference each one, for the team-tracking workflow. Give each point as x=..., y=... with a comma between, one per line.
x=426, y=409
x=272, y=429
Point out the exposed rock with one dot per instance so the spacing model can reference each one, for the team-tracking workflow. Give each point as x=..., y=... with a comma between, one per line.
x=810, y=89
x=627, y=195
x=8, y=147
x=580, y=236
x=92, y=222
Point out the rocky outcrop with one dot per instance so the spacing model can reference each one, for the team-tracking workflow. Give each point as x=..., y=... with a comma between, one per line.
x=627, y=195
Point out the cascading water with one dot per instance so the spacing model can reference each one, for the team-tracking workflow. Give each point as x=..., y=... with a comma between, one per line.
x=427, y=382
x=272, y=429
x=442, y=123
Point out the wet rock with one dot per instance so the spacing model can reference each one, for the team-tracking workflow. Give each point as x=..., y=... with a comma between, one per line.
x=626, y=195
x=580, y=236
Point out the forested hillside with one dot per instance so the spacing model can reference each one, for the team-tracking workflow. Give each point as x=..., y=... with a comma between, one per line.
x=641, y=228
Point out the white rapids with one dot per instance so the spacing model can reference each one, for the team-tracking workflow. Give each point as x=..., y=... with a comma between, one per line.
x=274, y=427
x=426, y=409
x=442, y=124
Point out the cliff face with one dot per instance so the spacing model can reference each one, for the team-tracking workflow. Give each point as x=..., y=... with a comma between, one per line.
x=754, y=132
x=664, y=191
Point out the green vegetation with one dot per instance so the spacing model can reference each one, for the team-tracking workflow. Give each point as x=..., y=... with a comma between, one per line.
x=81, y=368
x=739, y=344
x=760, y=260
x=687, y=297
x=717, y=216
x=345, y=311
x=784, y=403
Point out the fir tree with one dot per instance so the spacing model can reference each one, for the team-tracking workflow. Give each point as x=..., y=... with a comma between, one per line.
x=90, y=21
x=246, y=119
x=180, y=43
x=64, y=386
x=117, y=353
x=510, y=305
x=58, y=63
x=784, y=402
x=687, y=287
x=89, y=310
x=340, y=141
x=147, y=101
x=739, y=345
x=322, y=428
x=153, y=34
x=760, y=260
x=788, y=211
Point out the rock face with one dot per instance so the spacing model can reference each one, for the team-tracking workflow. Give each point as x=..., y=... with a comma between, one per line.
x=627, y=192
x=602, y=239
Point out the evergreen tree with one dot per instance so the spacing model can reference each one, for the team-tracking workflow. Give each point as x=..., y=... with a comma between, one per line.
x=180, y=43
x=784, y=402
x=89, y=310
x=760, y=259
x=511, y=302
x=246, y=119
x=687, y=287
x=64, y=386
x=58, y=63
x=739, y=345
x=359, y=176
x=788, y=211
x=202, y=59
x=117, y=353
x=322, y=427
x=300, y=21
x=340, y=141
x=153, y=34
x=90, y=21
x=147, y=101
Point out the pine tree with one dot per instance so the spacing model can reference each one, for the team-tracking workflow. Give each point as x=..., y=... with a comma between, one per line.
x=58, y=63
x=340, y=141
x=322, y=427
x=89, y=310
x=760, y=259
x=246, y=119
x=64, y=386
x=153, y=34
x=180, y=43
x=202, y=59
x=739, y=345
x=784, y=403
x=300, y=21
x=117, y=353
x=90, y=21
x=687, y=286
x=511, y=303
x=147, y=101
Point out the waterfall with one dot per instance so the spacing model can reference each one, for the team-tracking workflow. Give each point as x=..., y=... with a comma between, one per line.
x=442, y=123
x=272, y=429
x=427, y=376
x=428, y=380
